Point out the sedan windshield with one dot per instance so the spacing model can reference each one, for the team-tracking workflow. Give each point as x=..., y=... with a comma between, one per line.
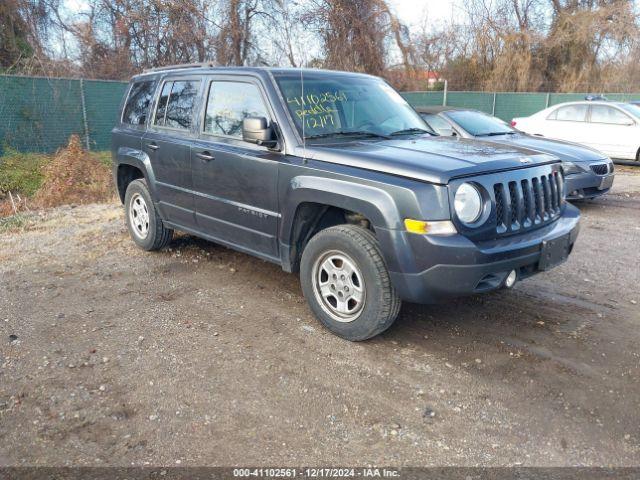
x=632, y=108
x=479, y=124
x=341, y=106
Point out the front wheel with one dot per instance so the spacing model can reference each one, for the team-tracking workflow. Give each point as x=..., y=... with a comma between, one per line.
x=346, y=283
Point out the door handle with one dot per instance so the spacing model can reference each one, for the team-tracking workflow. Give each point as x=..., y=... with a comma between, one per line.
x=153, y=146
x=206, y=156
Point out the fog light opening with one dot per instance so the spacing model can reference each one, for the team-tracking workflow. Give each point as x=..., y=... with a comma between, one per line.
x=510, y=281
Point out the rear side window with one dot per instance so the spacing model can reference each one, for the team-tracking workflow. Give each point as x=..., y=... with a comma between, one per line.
x=137, y=107
x=229, y=103
x=572, y=113
x=175, y=106
x=437, y=124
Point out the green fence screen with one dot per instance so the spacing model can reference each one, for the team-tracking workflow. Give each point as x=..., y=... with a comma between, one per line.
x=39, y=114
x=502, y=104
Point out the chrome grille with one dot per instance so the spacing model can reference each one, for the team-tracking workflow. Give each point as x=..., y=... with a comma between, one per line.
x=600, y=168
x=524, y=204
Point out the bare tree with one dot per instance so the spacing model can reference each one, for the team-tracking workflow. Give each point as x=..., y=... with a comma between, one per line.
x=24, y=29
x=15, y=44
x=283, y=27
x=355, y=34
x=516, y=45
x=543, y=44
x=585, y=38
x=233, y=43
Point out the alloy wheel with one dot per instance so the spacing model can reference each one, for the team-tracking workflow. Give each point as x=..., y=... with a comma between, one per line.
x=139, y=216
x=339, y=286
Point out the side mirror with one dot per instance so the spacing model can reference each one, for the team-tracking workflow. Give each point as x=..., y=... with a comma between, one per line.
x=257, y=130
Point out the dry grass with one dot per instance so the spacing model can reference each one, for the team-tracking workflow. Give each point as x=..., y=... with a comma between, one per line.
x=11, y=204
x=72, y=176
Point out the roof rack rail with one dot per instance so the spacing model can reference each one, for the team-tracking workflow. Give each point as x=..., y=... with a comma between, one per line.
x=180, y=66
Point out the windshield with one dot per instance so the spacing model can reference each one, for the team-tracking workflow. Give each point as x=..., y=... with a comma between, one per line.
x=336, y=105
x=632, y=108
x=479, y=124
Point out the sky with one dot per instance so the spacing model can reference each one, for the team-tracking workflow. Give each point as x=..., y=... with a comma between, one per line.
x=413, y=12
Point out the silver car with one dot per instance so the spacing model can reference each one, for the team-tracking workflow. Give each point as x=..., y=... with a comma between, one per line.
x=588, y=172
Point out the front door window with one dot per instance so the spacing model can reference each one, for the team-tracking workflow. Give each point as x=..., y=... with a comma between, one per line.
x=228, y=104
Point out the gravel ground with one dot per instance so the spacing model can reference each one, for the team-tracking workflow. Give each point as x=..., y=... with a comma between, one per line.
x=199, y=355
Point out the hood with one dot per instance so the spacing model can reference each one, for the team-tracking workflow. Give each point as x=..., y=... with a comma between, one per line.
x=432, y=159
x=565, y=151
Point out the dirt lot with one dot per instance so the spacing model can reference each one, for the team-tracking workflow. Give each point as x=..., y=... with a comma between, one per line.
x=203, y=356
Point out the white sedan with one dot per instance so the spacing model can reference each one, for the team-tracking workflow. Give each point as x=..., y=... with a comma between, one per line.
x=611, y=127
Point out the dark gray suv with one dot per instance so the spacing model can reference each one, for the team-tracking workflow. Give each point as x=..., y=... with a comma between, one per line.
x=333, y=175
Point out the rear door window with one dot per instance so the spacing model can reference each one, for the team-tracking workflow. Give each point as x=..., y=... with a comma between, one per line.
x=176, y=103
x=572, y=113
x=136, y=108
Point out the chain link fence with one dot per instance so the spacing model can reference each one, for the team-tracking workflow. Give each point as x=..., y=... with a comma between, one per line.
x=39, y=114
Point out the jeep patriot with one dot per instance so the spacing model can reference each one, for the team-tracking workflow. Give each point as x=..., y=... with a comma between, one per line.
x=334, y=176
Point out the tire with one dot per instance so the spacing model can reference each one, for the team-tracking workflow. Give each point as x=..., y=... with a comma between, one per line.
x=638, y=156
x=143, y=222
x=359, y=302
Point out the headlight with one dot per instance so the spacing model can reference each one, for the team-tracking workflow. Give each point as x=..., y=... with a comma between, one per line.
x=571, y=168
x=610, y=162
x=468, y=203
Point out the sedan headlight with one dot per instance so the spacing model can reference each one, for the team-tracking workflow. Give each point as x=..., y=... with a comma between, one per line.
x=610, y=163
x=468, y=203
x=571, y=168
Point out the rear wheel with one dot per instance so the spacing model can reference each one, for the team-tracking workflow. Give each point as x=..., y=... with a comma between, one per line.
x=144, y=224
x=346, y=283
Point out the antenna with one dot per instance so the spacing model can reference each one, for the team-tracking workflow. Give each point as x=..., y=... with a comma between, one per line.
x=304, y=114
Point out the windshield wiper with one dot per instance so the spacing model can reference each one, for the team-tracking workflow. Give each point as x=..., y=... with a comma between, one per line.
x=408, y=131
x=361, y=133
x=494, y=134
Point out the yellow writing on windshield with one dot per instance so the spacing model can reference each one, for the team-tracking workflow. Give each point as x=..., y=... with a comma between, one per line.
x=317, y=110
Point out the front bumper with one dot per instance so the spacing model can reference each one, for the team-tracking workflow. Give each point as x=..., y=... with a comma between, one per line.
x=438, y=268
x=587, y=185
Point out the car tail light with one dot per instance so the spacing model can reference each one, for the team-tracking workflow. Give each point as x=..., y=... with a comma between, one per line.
x=513, y=123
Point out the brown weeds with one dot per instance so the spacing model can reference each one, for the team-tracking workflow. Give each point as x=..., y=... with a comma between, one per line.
x=71, y=176
x=74, y=177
